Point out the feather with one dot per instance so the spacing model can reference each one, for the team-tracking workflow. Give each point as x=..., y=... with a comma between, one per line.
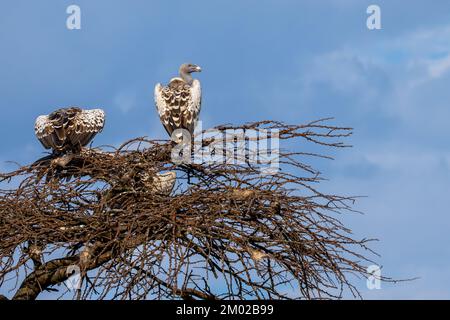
x=164, y=183
x=69, y=129
x=161, y=183
x=178, y=104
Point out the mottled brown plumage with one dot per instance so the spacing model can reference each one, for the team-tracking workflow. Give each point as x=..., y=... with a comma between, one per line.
x=162, y=183
x=179, y=103
x=69, y=129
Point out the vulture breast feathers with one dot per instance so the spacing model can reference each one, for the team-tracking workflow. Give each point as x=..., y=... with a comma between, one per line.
x=69, y=129
x=178, y=104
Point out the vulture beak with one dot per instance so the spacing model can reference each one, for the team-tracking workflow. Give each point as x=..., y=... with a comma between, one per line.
x=198, y=69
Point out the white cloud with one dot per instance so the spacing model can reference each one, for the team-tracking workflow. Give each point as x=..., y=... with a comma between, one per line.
x=345, y=72
x=403, y=164
x=410, y=162
x=125, y=100
x=439, y=67
x=423, y=41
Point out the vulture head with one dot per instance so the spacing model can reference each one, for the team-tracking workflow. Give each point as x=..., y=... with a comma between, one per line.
x=185, y=72
x=189, y=68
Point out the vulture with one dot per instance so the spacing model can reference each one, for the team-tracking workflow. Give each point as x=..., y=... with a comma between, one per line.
x=162, y=183
x=178, y=104
x=68, y=130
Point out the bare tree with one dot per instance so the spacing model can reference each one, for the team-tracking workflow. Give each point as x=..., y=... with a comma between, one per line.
x=230, y=233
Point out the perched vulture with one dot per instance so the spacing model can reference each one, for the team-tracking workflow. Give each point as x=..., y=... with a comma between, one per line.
x=69, y=129
x=165, y=182
x=179, y=103
x=162, y=183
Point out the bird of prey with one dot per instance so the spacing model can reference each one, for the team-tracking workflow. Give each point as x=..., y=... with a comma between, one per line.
x=68, y=130
x=178, y=104
x=161, y=183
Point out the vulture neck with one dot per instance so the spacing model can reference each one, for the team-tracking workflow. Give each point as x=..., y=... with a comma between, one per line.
x=186, y=77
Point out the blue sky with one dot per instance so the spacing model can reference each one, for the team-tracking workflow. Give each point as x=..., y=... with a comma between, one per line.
x=292, y=61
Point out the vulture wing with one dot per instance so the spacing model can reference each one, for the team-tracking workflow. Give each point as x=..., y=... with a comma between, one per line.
x=44, y=130
x=194, y=106
x=52, y=130
x=85, y=127
x=69, y=128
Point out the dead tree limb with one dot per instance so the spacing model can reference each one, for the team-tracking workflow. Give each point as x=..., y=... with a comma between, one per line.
x=232, y=233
